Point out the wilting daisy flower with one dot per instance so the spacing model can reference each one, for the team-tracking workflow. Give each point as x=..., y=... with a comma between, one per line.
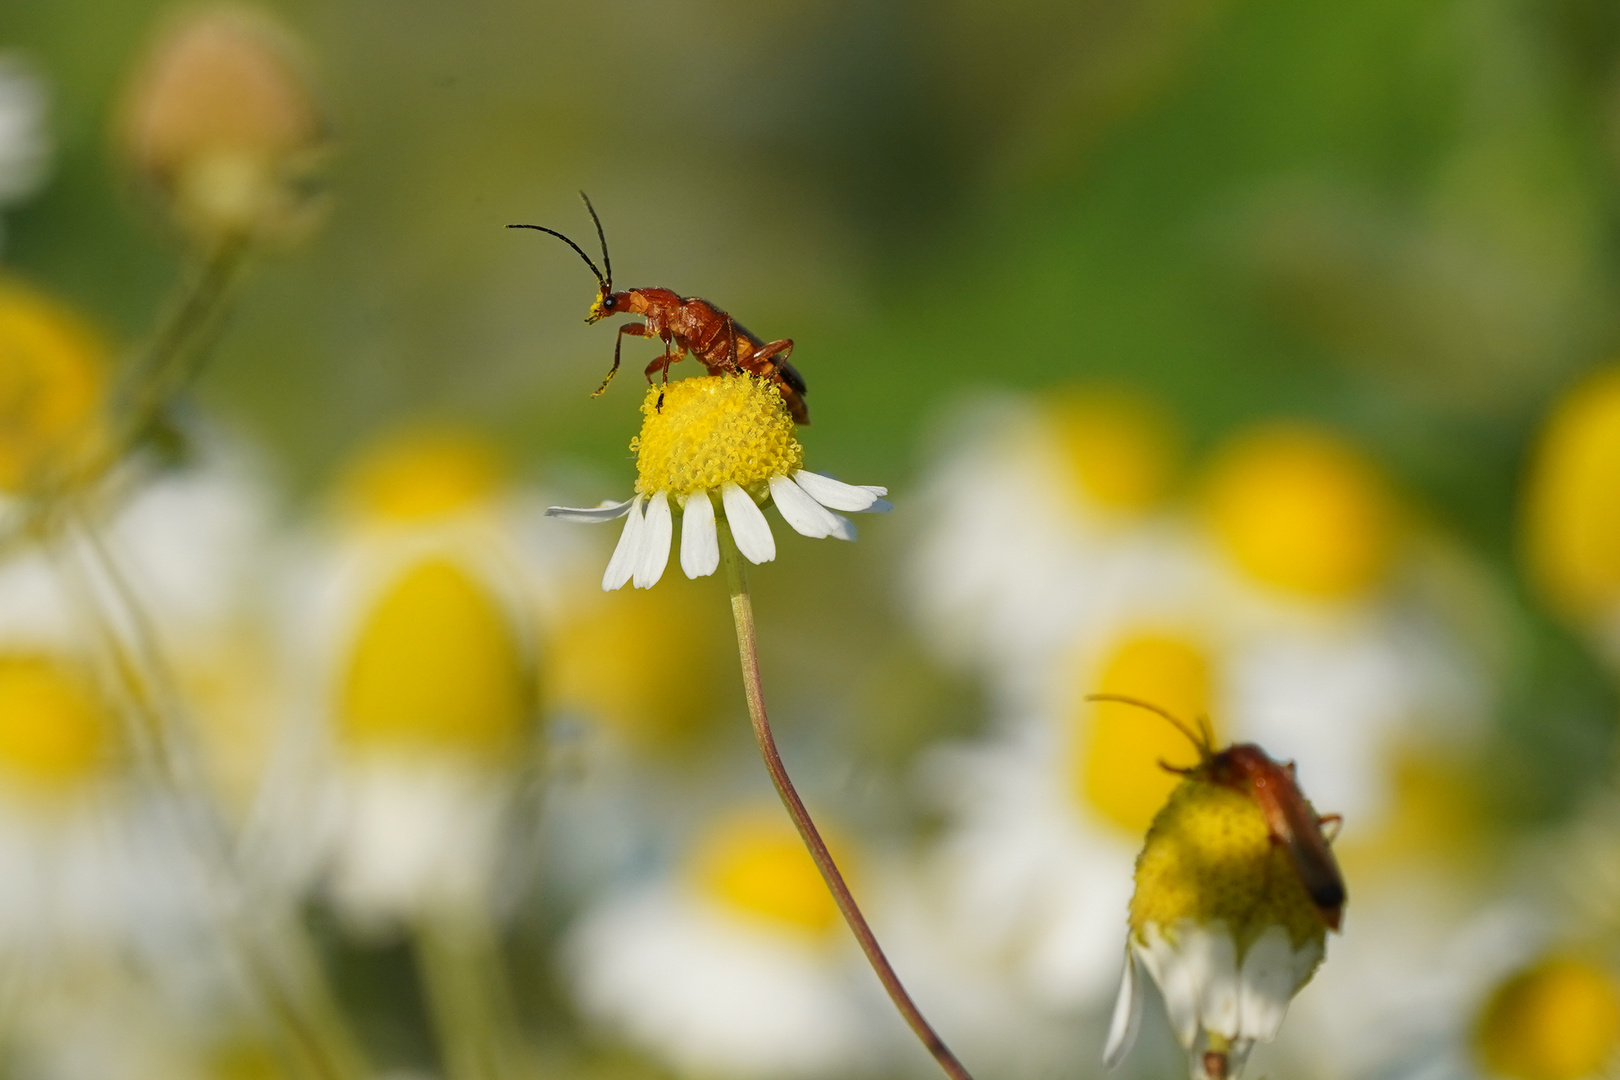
x=725, y=437
x=1229, y=923
x=1571, y=512
x=735, y=965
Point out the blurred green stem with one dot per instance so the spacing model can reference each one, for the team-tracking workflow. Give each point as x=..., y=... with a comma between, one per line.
x=459, y=956
x=742, y=613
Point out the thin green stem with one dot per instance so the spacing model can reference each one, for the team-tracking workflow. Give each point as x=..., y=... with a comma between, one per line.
x=742, y=613
x=466, y=990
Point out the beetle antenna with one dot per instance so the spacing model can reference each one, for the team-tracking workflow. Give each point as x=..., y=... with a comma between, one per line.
x=1199, y=739
x=606, y=283
x=600, y=235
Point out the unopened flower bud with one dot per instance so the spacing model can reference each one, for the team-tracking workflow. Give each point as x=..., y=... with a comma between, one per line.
x=220, y=120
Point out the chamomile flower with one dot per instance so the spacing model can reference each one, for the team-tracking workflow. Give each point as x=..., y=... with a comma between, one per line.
x=1556, y=1019
x=1222, y=921
x=734, y=965
x=416, y=634
x=718, y=437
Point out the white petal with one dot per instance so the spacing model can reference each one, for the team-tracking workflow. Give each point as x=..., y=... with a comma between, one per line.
x=837, y=495
x=700, y=542
x=1127, y=1015
x=1175, y=977
x=654, y=542
x=606, y=512
x=843, y=528
x=1266, y=985
x=799, y=510
x=748, y=525
x=628, y=554
x=1215, y=954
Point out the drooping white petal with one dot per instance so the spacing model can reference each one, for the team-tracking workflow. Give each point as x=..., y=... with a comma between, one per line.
x=628, y=554
x=654, y=542
x=1127, y=1017
x=837, y=495
x=700, y=542
x=808, y=517
x=843, y=528
x=1176, y=980
x=606, y=512
x=1215, y=954
x=1266, y=984
x=748, y=525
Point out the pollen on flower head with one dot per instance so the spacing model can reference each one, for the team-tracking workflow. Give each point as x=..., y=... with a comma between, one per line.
x=1209, y=857
x=714, y=430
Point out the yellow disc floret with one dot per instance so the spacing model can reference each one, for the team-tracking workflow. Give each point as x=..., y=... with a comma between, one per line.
x=1299, y=510
x=1572, y=507
x=712, y=431
x=424, y=474
x=1558, y=1020
x=437, y=665
x=1120, y=450
x=52, y=377
x=55, y=732
x=1209, y=857
x=754, y=864
x=1118, y=747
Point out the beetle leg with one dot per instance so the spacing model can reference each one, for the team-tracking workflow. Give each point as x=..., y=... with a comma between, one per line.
x=675, y=354
x=634, y=330
x=1336, y=820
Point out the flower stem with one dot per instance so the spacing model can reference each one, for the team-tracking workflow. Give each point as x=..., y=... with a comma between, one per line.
x=467, y=994
x=742, y=613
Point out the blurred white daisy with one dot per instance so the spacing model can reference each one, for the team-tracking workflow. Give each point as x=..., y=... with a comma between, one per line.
x=733, y=964
x=414, y=630
x=725, y=437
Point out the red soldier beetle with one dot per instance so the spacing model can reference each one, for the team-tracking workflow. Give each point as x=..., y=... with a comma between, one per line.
x=1293, y=825
x=685, y=324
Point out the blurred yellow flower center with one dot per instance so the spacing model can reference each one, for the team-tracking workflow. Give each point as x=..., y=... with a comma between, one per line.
x=1300, y=511
x=436, y=665
x=597, y=662
x=1560, y=1020
x=1117, y=748
x=1209, y=857
x=714, y=430
x=54, y=731
x=1120, y=451
x=424, y=475
x=1572, y=508
x=52, y=372
x=757, y=866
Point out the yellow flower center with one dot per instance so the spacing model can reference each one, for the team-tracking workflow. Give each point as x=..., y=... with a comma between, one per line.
x=1572, y=507
x=437, y=664
x=597, y=662
x=1121, y=451
x=423, y=475
x=1560, y=1020
x=55, y=732
x=52, y=374
x=1300, y=511
x=714, y=430
x=1117, y=748
x=754, y=864
x=1209, y=857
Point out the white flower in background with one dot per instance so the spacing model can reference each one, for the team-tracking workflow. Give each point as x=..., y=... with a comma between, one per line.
x=25, y=146
x=416, y=642
x=732, y=965
x=725, y=437
x=1037, y=520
